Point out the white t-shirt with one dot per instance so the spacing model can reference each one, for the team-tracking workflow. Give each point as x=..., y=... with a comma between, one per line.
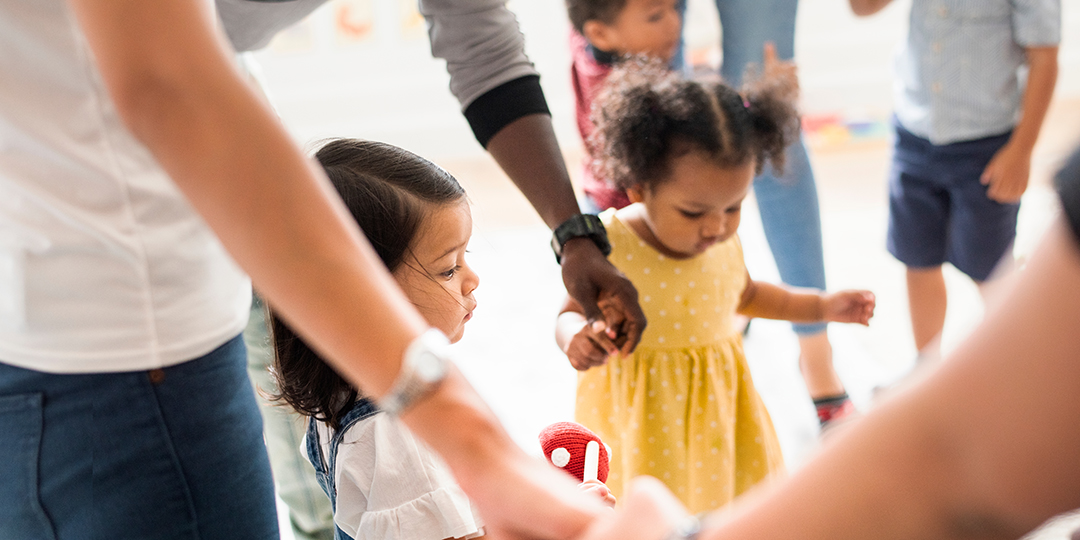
x=392, y=486
x=103, y=264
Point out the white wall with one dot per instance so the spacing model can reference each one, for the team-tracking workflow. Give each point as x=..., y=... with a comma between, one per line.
x=385, y=85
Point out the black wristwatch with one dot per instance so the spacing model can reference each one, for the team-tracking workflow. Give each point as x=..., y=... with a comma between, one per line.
x=587, y=225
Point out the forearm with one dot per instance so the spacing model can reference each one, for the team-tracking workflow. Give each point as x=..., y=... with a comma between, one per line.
x=864, y=8
x=984, y=447
x=1042, y=77
x=528, y=152
x=769, y=301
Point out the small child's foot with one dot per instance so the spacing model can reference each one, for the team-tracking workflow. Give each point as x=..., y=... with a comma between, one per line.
x=833, y=409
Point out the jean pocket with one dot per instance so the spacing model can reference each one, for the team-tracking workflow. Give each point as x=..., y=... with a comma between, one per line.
x=21, y=514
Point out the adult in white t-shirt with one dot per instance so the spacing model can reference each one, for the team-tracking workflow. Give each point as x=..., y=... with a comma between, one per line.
x=129, y=146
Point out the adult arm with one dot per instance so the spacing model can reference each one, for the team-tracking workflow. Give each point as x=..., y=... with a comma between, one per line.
x=173, y=83
x=984, y=447
x=1008, y=171
x=499, y=91
x=865, y=8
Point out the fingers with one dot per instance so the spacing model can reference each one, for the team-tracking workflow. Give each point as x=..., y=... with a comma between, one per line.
x=770, y=54
x=649, y=511
x=602, y=337
x=623, y=309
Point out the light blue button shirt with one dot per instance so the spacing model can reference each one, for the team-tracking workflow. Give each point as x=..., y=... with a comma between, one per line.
x=961, y=72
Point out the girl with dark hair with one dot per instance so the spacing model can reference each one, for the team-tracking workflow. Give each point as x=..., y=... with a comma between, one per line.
x=682, y=406
x=384, y=482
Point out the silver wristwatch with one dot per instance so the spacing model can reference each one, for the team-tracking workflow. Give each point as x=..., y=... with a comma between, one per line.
x=424, y=366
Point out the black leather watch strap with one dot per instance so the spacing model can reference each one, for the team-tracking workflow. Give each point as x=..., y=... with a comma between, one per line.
x=587, y=225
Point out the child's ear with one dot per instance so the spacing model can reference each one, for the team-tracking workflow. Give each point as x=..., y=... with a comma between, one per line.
x=599, y=35
x=635, y=194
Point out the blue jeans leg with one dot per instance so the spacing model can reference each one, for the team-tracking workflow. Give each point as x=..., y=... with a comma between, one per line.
x=171, y=453
x=791, y=218
x=746, y=26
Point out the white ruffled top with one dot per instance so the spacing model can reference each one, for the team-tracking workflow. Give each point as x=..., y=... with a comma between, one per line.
x=392, y=486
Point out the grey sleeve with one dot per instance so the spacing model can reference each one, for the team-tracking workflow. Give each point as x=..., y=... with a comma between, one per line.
x=251, y=24
x=481, y=43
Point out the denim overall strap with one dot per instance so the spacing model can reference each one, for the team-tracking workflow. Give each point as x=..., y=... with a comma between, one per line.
x=324, y=468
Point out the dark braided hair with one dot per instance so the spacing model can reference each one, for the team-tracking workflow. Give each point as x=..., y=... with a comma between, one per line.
x=388, y=191
x=646, y=115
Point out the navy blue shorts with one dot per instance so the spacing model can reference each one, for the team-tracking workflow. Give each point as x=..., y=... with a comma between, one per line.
x=938, y=210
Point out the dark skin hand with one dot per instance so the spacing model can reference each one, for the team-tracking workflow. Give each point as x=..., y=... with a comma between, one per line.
x=528, y=152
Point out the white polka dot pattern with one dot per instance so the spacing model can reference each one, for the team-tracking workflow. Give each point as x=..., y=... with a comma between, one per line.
x=682, y=408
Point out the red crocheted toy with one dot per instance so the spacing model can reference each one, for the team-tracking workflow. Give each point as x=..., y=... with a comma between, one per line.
x=566, y=445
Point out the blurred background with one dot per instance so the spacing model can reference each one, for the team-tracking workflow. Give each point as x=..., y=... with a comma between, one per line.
x=362, y=68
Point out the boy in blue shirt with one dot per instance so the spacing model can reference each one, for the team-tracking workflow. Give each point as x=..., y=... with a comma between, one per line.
x=973, y=82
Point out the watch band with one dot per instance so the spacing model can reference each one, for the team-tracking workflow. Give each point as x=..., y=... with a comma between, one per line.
x=587, y=225
x=423, y=368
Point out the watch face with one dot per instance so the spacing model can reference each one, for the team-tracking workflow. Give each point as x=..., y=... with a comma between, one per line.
x=430, y=366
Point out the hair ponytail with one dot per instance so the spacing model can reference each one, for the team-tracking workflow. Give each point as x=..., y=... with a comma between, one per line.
x=774, y=121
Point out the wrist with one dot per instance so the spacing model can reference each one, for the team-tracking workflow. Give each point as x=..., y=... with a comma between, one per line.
x=423, y=368
x=574, y=235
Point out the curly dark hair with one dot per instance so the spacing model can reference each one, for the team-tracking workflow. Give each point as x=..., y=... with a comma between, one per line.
x=604, y=11
x=646, y=115
x=388, y=191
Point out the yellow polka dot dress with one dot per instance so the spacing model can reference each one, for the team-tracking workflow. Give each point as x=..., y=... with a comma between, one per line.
x=682, y=407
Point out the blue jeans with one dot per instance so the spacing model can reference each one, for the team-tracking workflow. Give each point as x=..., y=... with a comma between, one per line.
x=790, y=214
x=170, y=453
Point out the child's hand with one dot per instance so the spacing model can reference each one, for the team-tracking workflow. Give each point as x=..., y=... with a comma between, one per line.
x=600, y=489
x=1007, y=174
x=849, y=306
x=590, y=347
x=777, y=69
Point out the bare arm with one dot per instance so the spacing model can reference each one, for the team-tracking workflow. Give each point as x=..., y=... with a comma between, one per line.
x=1008, y=171
x=769, y=301
x=528, y=152
x=985, y=447
x=864, y=8
x=175, y=88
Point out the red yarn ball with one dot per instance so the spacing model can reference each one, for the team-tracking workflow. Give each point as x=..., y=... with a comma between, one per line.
x=573, y=437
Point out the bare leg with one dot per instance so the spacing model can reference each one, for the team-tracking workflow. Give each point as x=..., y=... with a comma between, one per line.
x=815, y=363
x=927, y=302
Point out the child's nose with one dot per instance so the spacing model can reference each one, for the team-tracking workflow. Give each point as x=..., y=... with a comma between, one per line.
x=714, y=226
x=471, y=281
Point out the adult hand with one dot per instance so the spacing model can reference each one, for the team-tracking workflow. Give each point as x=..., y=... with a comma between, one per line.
x=649, y=511
x=526, y=498
x=603, y=292
x=599, y=490
x=1007, y=174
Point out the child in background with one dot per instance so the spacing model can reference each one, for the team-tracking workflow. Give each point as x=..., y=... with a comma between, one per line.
x=683, y=407
x=606, y=31
x=383, y=482
x=965, y=129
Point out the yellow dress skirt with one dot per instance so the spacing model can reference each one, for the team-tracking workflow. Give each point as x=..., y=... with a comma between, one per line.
x=683, y=407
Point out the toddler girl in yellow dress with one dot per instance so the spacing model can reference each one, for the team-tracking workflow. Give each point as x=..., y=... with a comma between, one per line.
x=682, y=407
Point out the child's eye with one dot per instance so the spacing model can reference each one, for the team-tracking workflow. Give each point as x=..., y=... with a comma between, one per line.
x=691, y=215
x=734, y=209
x=449, y=274
x=656, y=17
